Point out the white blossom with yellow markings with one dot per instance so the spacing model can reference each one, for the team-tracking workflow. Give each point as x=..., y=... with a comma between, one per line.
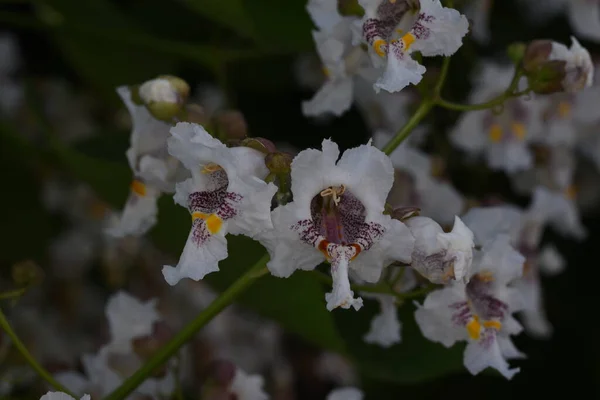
x=500, y=135
x=394, y=29
x=226, y=194
x=480, y=311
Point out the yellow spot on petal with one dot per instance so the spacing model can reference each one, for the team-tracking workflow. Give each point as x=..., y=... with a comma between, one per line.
x=564, y=109
x=495, y=133
x=379, y=47
x=485, y=276
x=210, y=168
x=519, y=130
x=213, y=221
x=408, y=40
x=497, y=325
x=138, y=188
x=326, y=71
x=474, y=328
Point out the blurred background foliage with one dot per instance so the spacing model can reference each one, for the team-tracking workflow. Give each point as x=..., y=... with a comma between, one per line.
x=248, y=48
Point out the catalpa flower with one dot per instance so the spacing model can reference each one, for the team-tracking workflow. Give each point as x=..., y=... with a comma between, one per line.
x=342, y=61
x=337, y=215
x=393, y=29
x=154, y=169
x=439, y=256
x=501, y=137
x=579, y=70
x=479, y=312
x=226, y=194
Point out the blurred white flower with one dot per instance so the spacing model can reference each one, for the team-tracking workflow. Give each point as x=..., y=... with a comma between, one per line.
x=502, y=138
x=579, y=70
x=62, y=396
x=337, y=215
x=226, y=194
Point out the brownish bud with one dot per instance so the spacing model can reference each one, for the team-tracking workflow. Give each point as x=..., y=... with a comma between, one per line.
x=263, y=145
x=536, y=54
x=232, y=124
x=404, y=213
x=26, y=273
x=279, y=163
x=548, y=78
x=194, y=113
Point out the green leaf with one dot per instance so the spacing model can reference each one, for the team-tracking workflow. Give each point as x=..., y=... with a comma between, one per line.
x=283, y=25
x=229, y=13
x=103, y=45
x=414, y=360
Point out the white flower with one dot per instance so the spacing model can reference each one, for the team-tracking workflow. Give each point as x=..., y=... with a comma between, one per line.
x=579, y=67
x=154, y=170
x=394, y=29
x=560, y=210
x=337, y=215
x=342, y=61
x=347, y=393
x=61, y=396
x=438, y=256
x=386, y=328
x=129, y=318
x=247, y=387
x=501, y=138
x=479, y=312
x=226, y=194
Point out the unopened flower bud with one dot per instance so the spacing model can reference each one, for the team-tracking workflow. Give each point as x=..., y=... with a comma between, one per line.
x=232, y=124
x=552, y=67
x=26, y=273
x=263, y=145
x=195, y=113
x=164, y=97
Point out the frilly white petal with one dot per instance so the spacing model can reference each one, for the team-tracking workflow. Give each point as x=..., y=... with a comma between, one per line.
x=129, y=318
x=447, y=29
x=324, y=13
x=196, y=261
x=501, y=259
x=347, y=393
x=487, y=222
x=479, y=357
x=399, y=73
x=341, y=295
x=396, y=244
x=287, y=252
x=334, y=97
x=248, y=387
x=138, y=216
x=434, y=317
x=385, y=327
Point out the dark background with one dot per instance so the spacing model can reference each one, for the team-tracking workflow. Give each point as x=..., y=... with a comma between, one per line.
x=96, y=50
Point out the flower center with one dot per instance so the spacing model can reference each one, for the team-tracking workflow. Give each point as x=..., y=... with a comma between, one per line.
x=337, y=214
x=138, y=188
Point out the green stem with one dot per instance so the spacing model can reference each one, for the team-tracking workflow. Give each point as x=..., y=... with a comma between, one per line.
x=473, y=107
x=188, y=332
x=405, y=131
x=398, y=277
x=442, y=78
x=416, y=293
x=11, y=294
x=29, y=358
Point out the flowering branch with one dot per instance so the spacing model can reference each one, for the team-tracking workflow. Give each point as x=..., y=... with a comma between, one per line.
x=168, y=350
x=5, y=325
